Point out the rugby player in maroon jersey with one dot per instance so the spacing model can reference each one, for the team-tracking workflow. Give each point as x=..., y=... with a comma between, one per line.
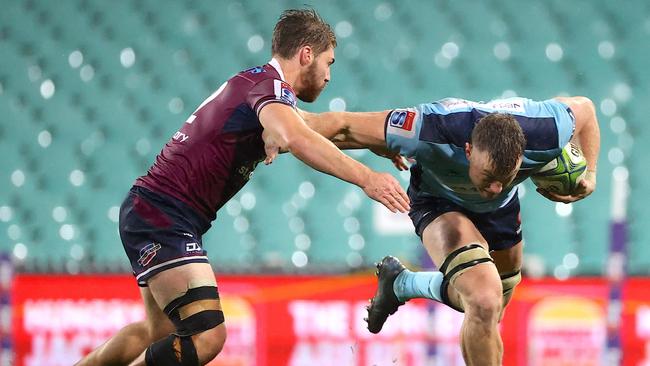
x=244, y=122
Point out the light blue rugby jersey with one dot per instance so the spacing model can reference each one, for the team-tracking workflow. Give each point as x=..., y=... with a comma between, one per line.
x=434, y=134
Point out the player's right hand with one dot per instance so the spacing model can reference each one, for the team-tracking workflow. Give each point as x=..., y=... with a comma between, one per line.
x=586, y=186
x=384, y=188
x=271, y=148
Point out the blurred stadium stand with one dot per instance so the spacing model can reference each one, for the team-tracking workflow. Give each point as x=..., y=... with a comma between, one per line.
x=91, y=90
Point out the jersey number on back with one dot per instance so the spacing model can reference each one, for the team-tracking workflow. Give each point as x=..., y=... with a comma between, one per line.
x=208, y=100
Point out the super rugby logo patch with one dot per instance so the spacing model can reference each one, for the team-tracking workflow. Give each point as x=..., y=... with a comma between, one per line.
x=402, y=122
x=147, y=253
x=284, y=92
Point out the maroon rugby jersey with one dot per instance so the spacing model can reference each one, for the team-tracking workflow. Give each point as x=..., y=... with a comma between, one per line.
x=213, y=155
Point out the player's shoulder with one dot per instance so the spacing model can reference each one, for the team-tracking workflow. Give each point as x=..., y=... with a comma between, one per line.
x=447, y=106
x=257, y=74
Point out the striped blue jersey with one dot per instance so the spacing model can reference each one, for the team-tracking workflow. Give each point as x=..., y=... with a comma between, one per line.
x=434, y=134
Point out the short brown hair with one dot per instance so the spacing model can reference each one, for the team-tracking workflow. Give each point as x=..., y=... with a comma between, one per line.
x=502, y=137
x=301, y=27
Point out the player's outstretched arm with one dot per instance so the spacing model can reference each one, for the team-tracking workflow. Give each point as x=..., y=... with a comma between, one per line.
x=285, y=130
x=355, y=130
x=587, y=135
x=350, y=129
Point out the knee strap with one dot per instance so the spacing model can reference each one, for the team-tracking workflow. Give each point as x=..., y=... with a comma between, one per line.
x=509, y=281
x=457, y=262
x=172, y=351
x=188, y=314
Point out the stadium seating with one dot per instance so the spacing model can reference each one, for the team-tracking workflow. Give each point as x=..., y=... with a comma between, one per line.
x=91, y=90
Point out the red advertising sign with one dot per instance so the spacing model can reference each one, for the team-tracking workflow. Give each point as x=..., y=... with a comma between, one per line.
x=318, y=320
x=281, y=320
x=555, y=323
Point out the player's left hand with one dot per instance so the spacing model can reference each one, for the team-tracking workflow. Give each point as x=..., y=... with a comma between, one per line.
x=395, y=157
x=584, y=189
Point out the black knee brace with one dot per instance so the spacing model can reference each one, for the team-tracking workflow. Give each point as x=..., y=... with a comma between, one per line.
x=172, y=351
x=194, y=323
x=178, y=349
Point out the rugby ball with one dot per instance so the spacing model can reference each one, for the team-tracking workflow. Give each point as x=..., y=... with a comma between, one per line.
x=562, y=174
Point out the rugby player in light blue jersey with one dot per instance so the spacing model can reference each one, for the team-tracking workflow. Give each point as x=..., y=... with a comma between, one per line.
x=464, y=206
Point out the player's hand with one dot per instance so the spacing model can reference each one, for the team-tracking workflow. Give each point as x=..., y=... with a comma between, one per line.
x=272, y=152
x=384, y=188
x=395, y=157
x=584, y=189
x=398, y=162
x=271, y=148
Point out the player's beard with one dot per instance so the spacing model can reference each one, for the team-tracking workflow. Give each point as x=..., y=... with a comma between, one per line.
x=311, y=85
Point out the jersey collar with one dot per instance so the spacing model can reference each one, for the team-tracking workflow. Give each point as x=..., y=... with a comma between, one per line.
x=276, y=66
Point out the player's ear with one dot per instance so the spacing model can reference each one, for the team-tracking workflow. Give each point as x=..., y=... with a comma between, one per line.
x=306, y=55
x=468, y=149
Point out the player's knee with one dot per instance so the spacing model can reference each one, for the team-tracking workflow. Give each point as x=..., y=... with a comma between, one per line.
x=484, y=304
x=156, y=329
x=455, y=264
x=210, y=343
x=199, y=335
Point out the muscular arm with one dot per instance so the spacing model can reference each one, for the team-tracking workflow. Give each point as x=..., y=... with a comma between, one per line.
x=587, y=135
x=352, y=130
x=285, y=130
x=355, y=130
x=587, y=132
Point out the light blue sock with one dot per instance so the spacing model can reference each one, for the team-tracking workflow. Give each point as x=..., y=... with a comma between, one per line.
x=411, y=285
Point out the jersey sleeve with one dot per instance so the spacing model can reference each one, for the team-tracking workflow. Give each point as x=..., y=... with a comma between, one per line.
x=565, y=121
x=270, y=91
x=402, y=131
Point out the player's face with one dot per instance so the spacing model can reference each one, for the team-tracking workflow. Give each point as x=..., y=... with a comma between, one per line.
x=316, y=76
x=481, y=173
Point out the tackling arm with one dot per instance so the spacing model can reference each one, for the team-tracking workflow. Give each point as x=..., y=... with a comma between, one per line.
x=351, y=130
x=355, y=130
x=284, y=130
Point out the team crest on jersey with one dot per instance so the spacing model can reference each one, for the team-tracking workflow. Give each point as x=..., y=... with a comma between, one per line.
x=284, y=92
x=147, y=253
x=402, y=122
x=255, y=70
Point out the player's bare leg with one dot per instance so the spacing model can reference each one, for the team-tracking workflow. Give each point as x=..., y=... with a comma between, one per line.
x=131, y=341
x=173, y=284
x=478, y=288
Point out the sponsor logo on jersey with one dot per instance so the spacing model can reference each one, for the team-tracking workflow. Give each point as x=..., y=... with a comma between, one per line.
x=508, y=105
x=500, y=105
x=192, y=247
x=180, y=137
x=402, y=122
x=147, y=253
x=284, y=92
x=455, y=103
